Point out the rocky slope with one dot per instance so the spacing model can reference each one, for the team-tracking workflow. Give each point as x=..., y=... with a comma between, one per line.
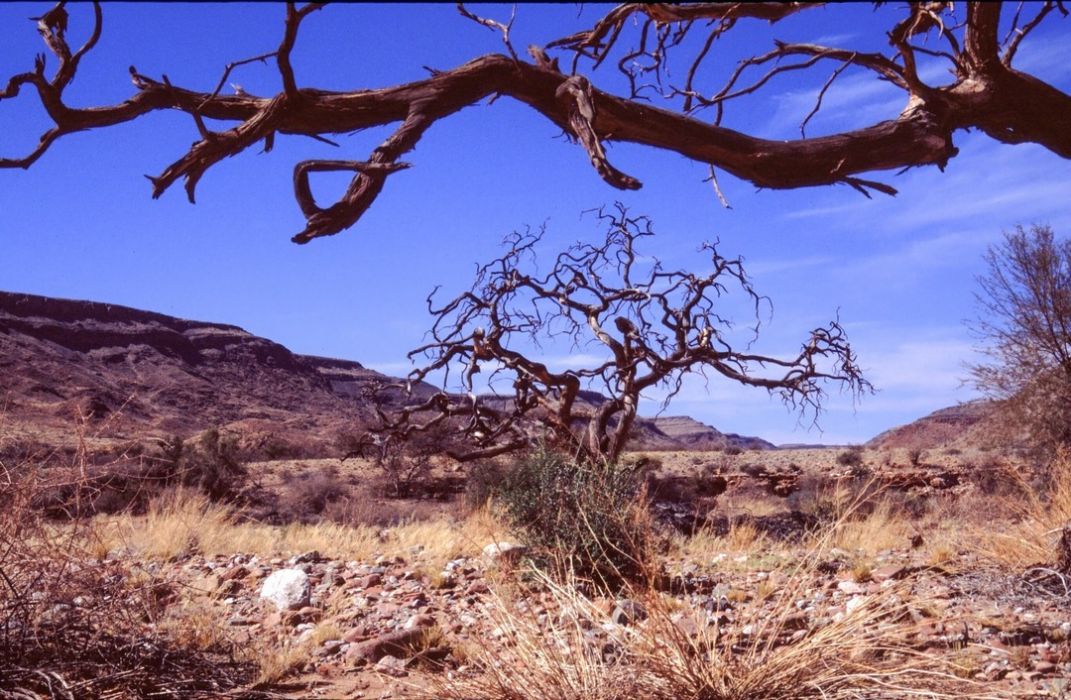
x=947, y=427
x=134, y=373
x=690, y=434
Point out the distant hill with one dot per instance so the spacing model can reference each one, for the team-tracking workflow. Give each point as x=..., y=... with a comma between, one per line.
x=959, y=425
x=690, y=434
x=136, y=373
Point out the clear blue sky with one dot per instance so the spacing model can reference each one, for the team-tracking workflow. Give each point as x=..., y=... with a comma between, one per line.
x=80, y=223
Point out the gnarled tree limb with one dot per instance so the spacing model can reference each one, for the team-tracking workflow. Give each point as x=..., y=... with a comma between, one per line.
x=988, y=94
x=652, y=326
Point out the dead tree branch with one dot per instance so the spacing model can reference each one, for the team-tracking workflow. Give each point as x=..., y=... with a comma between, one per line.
x=988, y=94
x=651, y=327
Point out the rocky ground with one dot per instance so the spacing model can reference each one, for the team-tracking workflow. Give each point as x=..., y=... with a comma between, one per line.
x=759, y=550
x=381, y=626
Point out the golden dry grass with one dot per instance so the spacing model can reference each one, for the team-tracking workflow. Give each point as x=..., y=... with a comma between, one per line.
x=880, y=529
x=1039, y=516
x=861, y=654
x=677, y=652
x=182, y=521
x=743, y=537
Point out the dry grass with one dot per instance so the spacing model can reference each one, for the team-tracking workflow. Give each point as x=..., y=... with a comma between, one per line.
x=1039, y=516
x=862, y=654
x=865, y=522
x=183, y=522
x=58, y=596
x=274, y=663
x=766, y=653
x=194, y=626
x=743, y=537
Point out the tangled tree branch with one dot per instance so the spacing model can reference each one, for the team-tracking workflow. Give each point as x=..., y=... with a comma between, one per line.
x=650, y=326
x=987, y=93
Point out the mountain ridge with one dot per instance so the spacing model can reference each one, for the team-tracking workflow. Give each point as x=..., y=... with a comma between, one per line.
x=132, y=373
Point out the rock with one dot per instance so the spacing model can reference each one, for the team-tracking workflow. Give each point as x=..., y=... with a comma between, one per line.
x=688, y=623
x=303, y=616
x=392, y=666
x=887, y=572
x=628, y=612
x=477, y=588
x=504, y=552
x=420, y=621
x=399, y=643
x=233, y=574
x=331, y=647
x=1044, y=667
x=850, y=587
x=370, y=580
x=306, y=558
x=854, y=604
x=287, y=589
x=796, y=621
x=355, y=635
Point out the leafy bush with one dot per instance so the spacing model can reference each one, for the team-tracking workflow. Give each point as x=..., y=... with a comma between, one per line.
x=584, y=520
x=916, y=456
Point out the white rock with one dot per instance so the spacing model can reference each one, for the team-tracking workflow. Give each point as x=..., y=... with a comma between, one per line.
x=287, y=589
x=850, y=587
x=504, y=551
x=854, y=604
x=392, y=666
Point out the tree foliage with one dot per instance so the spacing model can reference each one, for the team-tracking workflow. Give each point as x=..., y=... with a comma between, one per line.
x=1024, y=321
x=977, y=41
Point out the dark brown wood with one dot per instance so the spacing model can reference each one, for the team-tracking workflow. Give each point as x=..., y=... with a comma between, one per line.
x=654, y=326
x=989, y=94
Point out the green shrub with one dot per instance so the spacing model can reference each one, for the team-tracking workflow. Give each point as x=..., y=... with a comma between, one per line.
x=582, y=520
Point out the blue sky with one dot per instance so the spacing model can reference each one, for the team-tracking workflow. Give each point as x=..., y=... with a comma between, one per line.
x=899, y=271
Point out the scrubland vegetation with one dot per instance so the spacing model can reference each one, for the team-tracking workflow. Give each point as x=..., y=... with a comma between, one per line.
x=877, y=593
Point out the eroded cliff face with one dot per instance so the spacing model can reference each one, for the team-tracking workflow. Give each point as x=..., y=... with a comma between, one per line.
x=964, y=425
x=693, y=435
x=132, y=374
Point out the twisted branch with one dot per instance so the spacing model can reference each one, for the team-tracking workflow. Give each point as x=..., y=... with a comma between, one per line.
x=988, y=94
x=651, y=325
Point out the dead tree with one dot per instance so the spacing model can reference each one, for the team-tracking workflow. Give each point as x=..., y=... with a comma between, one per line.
x=652, y=326
x=985, y=92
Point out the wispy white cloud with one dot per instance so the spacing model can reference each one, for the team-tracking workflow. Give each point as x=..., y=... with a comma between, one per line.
x=933, y=366
x=858, y=98
x=834, y=39
x=772, y=266
x=1051, y=59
